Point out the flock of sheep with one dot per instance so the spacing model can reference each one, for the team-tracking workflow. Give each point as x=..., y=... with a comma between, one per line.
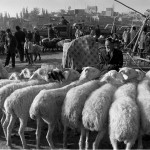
x=117, y=102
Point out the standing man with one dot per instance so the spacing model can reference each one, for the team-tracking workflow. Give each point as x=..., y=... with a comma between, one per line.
x=126, y=37
x=132, y=36
x=110, y=58
x=64, y=21
x=36, y=36
x=51, y=32
x=11, y=48
x=20, y=37
x=142, y=42
x=97, y=32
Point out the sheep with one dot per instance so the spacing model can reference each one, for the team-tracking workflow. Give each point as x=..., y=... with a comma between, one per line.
x=50, y=44
x=96, y=108
x=5, y=82
x=25, y=74
x=40, y=73
x=6, y=90
x=17, y=105
x=143, y=101
x=75, y=100
x=124, y=112
x=52, y=100
x=37, y=49
x=14, y=76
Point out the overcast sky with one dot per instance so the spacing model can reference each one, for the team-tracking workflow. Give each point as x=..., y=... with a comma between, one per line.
x=15, y=6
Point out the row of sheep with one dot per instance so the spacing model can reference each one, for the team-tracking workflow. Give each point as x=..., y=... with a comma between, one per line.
x=117, y=101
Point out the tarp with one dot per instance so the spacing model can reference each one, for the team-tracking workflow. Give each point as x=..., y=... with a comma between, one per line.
x=81, y=52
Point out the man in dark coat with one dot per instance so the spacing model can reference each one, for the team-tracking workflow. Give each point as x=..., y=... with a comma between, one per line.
x=97, y=32
x=110, y=58
x=20, y=37
x=36, y=36
x=11, y=48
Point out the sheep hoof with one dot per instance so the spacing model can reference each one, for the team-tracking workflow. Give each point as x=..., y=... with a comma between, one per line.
x=9, y=146
x=65, y=146
x=38, y=147
x=25, y=147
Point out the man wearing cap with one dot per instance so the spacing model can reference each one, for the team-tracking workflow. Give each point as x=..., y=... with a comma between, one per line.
x=11, y=48
x=20, y=37
x=110, y=58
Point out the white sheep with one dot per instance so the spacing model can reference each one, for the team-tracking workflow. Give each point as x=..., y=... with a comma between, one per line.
x=143, y=101
x=17, y=105
x=25, y=74
x=6, y=90
x=76, y=98
x=96, y=108
x=5, y=82
x=47, y=104
x=124, y=113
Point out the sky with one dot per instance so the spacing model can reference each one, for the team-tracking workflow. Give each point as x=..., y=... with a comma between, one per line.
x=15, y=6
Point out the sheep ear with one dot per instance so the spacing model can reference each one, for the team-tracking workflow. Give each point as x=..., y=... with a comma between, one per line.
x=125, y=76
x=83, y=68
x=66, y=74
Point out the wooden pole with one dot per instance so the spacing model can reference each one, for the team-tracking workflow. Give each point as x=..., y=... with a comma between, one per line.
x=130, y=8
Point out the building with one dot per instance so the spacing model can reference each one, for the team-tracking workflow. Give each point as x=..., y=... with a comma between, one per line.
x=91, y=9
x=109, y=12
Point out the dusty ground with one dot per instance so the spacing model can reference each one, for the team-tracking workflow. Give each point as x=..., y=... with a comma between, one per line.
x=52, y=58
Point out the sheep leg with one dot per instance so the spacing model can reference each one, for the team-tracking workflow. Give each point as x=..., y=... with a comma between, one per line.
x=140, y=144
x=99, y=136
x=87, y=140
x=114, y=143
x=3, y=118
x=65, y=137
x=23, y=124
x=81, y=138
x=5, y=124
x=38, y=132
x=9, y=129
x=130, y=144
x=49, y=135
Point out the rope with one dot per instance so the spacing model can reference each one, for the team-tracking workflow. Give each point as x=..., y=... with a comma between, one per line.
x=135, y=63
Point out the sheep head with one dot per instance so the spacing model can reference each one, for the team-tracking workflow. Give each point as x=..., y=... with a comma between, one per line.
x=128, y=73
x=89, y=73
x=113, y=77
x=141, y=74
x=55, y=75
x=25, y=74
x=148, y=74
x=14, y=76
x=39, y=74
x=71, y=74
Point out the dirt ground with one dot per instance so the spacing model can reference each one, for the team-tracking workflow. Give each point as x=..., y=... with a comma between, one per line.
x=73, y=139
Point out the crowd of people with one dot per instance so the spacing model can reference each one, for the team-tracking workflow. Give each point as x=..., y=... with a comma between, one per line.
x=130, y=36
x=20, y=43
